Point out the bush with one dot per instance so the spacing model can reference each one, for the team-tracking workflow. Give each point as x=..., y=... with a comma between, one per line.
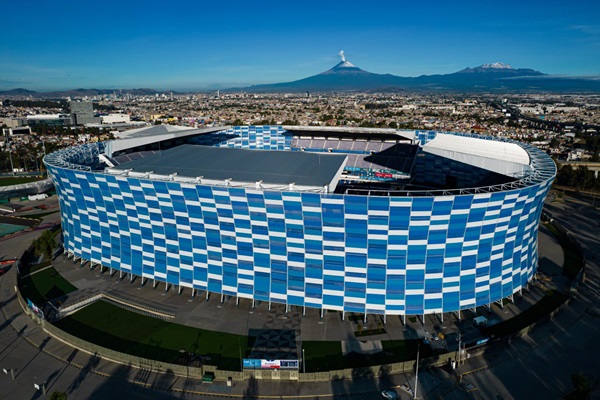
x=58, y=396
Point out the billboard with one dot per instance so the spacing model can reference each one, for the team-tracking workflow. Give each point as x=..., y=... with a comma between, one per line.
x=252, y=363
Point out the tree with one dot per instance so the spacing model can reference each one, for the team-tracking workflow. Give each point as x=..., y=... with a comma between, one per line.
x=580, y=382
x=58, y=396
x=44, y=245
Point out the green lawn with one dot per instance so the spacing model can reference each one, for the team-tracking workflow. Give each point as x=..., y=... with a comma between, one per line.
x=45, y=285
x=115, y=328
x=326, y=356
x=37, y=267
x=19, y=180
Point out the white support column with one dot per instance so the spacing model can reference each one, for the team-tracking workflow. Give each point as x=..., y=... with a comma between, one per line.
x=166, y=286
x=179, y=290
x=252, y=303
x=269, y=305
x=120, y=274
x=193, y=292
x=207, y=294
x=321, y=312
x=343, y=315
x=303, y=310
x=237, y=301
x=222, y=297
x=153, y=283
x=130, y=277
x=365, y=319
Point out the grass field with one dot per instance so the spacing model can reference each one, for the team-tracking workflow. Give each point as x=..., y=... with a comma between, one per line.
x=19, y=180
x=45, y=285
x=326, y=356
x=112, y=327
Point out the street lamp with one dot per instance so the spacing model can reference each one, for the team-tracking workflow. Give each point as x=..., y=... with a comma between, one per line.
x=12, y=372
x=417, y=371
x=303, y=362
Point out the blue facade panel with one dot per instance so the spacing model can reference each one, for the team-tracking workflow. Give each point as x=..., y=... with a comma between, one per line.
x=392, y=255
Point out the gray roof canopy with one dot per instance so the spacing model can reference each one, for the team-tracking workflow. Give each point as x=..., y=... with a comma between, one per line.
x=242, y=165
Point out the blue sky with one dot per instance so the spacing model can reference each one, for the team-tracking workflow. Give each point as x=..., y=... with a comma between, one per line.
x=48, y=45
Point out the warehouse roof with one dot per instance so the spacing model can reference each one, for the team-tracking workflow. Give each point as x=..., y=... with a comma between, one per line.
x=243, y=165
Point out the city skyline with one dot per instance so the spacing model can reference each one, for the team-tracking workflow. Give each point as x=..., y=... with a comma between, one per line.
x=188, y=46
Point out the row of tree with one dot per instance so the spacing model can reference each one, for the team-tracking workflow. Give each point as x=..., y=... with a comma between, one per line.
x=581, y=178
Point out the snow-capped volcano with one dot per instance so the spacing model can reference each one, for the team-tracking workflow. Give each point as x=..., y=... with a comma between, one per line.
x=496, y=76
x=497, y=65
x=345, y=64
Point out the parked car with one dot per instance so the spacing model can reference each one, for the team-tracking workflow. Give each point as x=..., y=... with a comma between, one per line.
x=389, y=394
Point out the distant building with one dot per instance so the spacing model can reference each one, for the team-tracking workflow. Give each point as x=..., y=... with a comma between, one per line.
x=82, y=112
x=22, y=130
x=115, y=118
x=9, y=122
x=46, y=119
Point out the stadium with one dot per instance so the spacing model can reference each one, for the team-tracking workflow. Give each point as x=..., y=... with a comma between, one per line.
x=377, y=221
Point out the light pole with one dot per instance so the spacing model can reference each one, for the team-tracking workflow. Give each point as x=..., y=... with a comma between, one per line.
x=303, y=362
x=417, y=372
x=12, y=167
x=12, y=372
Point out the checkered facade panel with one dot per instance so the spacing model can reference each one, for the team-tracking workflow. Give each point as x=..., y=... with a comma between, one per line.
x=392, y=255
x=248, y=137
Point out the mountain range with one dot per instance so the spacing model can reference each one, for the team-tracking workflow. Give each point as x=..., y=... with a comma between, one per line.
x=499, y=77
x=345, y=76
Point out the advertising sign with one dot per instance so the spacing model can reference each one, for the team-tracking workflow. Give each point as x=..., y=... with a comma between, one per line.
x=251, y=363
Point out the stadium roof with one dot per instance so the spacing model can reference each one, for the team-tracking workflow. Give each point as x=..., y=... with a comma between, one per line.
x=151, y=131
x=153, y=134
x=501, y=157
x=269, y=167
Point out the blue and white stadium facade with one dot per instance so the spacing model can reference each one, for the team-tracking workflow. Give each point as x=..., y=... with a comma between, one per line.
x=404, y=223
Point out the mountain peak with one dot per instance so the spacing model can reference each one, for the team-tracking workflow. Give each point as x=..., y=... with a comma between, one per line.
x=345, y=64
x=497, y=65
